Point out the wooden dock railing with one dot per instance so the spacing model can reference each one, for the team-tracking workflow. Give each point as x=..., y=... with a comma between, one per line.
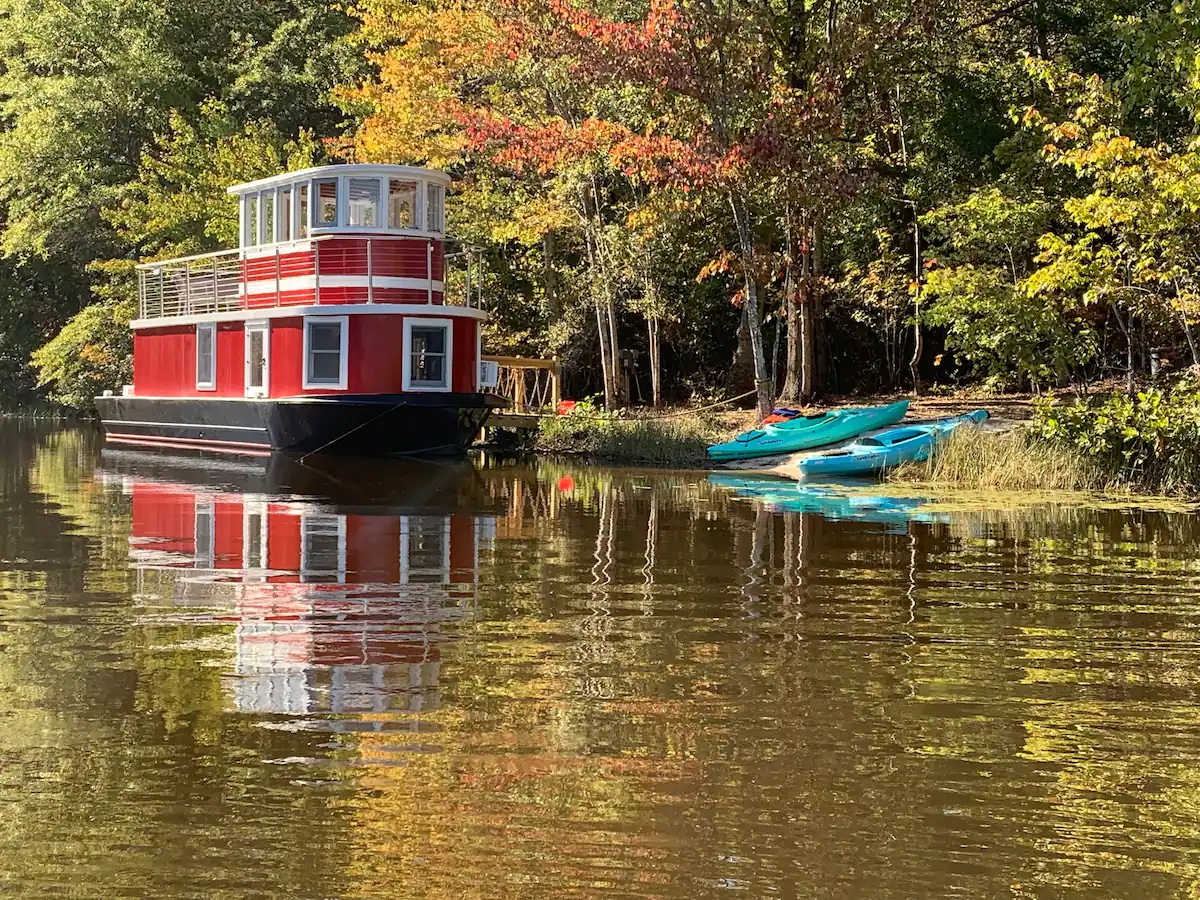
x=532, y=387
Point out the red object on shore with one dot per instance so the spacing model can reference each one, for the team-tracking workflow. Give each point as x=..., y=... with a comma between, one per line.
x=780, y=415
x=565, y=407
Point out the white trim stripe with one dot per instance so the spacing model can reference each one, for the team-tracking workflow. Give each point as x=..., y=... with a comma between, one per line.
x=309, y=283
x=324, y=309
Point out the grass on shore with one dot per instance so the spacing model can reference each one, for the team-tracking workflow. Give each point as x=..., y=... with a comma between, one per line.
x=674, y=439
x=1013, y=460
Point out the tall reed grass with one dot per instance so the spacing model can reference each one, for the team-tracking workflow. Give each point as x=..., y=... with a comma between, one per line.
x=1013, y=460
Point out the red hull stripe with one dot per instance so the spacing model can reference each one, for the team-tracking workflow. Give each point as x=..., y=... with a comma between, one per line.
x=239, y=447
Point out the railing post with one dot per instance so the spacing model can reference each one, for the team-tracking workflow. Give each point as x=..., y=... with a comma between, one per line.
x=555, y=386
x=277, y=302
x=467, y=256
x=187, y=287
x=429, y=270
x=216, y=287
x=316, y=250
x=370, y=275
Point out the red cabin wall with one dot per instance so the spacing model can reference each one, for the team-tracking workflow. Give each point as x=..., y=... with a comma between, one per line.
x=465, y=377
x=164, y=361
x=165, y=358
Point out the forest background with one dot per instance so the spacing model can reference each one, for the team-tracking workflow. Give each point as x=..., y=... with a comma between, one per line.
x=794, y=196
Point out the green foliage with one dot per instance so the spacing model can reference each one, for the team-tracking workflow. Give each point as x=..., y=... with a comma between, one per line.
x=91, y=354
x=1150, y=439
x=1009, y=335
x=177, y=204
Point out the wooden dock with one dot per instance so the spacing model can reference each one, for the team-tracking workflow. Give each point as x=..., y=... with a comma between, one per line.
x=533, y=388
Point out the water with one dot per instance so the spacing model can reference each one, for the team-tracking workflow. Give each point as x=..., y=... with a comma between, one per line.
x=245, y=680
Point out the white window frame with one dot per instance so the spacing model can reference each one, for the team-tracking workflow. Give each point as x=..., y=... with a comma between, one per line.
x=205, y=557
x=344, y=353
x=422, y=322
x=308, y=524
x=211, y=329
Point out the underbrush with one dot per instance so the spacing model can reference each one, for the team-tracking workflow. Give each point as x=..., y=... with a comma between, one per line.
x=1014, y=460
x=677, y=438
x=1149, y=440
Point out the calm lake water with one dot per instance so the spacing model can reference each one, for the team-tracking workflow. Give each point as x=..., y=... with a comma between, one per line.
x=486, y=680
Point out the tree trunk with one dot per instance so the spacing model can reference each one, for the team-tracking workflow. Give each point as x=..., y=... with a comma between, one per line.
x=655, y=363
x=614, y=349
x=605, y=355
x=762, y=383
x=808, y=344
x=914, y=364
x=791, y=381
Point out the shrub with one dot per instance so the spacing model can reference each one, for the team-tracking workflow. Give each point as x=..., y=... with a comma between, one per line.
x=92, y=354
x=1150, y=440
x=676, y=439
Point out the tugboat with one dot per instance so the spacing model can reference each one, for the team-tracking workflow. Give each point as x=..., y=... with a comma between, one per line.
x=329, y=329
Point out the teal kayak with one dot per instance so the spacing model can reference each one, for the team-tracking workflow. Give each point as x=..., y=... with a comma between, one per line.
x=806, y=432
x=884, y=449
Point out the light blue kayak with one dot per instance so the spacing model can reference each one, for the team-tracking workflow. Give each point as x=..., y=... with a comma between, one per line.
x=884, y=449
x=806, y=432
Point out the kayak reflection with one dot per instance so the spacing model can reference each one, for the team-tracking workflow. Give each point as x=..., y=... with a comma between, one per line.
x=838, y=502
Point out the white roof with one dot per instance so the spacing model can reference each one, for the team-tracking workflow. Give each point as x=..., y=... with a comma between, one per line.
x=368, y=170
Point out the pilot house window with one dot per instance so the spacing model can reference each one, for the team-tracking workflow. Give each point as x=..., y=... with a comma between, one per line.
x=364, y=202
x=325, y=340
x=325, y=209
x=402, y=203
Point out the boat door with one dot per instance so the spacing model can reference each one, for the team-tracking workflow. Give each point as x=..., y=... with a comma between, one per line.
x=258, y=359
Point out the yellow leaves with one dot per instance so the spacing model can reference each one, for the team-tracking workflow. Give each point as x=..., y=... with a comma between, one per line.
x=416, y=102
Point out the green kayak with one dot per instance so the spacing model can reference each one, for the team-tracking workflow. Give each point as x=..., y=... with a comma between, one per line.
x=806, y=432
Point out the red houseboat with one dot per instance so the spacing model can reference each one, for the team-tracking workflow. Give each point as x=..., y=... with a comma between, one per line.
x=331, y=328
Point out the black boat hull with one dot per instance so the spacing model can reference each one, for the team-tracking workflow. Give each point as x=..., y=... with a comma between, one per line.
x=371, y=425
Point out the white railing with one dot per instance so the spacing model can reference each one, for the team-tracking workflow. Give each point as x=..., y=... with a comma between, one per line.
x=192, y=285
x=232, y=280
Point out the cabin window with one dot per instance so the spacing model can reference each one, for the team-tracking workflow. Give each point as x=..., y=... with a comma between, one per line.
x=402, y=203
x=325, y=212
x=266, y=230
x=285, y=214
x=206, y=357
x=424, y=549
x=323, y=548
x=434, y=212
x=427, y=354
x=205, y=537
x=364, y=202
x=302, y=202
x=250, y=223
x=325, y=352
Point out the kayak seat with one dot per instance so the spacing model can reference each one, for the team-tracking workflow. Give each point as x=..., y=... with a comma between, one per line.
x=869, y=442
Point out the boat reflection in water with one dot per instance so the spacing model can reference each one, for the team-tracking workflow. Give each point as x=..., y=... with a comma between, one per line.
x=337, y=596
x=837, y=502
